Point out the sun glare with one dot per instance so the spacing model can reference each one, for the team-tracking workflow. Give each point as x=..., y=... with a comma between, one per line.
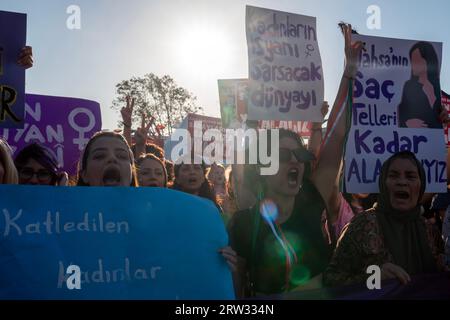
x=204, y=50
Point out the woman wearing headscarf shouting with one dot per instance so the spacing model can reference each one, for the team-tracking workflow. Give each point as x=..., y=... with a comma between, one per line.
x=393, y=234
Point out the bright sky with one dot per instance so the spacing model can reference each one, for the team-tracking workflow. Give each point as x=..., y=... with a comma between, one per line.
x=194, y=41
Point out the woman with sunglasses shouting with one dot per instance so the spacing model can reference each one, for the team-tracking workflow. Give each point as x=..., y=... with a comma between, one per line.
x=279, y=241
x=36, y=165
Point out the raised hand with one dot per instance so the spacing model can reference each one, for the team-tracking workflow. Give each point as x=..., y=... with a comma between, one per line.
x=352, y=51
x=316, y=126
x=324, y=109
x=142, y=132
x=63, y=179
x=127, y=112
x=26, y=57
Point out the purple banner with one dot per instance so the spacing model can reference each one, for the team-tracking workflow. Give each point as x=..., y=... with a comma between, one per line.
x=64, y=125
x=13, y=29
x=422, y=287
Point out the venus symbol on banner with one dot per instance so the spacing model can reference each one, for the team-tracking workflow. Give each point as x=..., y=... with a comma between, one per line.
x=81, y=141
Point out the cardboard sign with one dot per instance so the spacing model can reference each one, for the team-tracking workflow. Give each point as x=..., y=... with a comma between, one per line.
x=13, y=28
x=129, y=243
x=285, y=68
x=396, y=106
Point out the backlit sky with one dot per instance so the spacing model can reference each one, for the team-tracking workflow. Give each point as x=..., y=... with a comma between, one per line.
x=196, y=42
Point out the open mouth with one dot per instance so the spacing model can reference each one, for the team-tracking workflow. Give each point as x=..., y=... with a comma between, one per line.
x=192, y=180
x=293, y=177
x=111, y=177
x=401, y=195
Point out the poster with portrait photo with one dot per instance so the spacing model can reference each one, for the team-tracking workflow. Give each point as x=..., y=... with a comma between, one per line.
x=396, y=107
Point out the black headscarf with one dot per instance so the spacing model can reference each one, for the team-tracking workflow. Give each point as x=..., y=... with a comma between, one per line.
x=404, y=232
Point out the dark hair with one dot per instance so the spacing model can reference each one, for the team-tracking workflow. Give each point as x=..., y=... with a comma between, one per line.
x=229, y=186
x=10, y=175
x=427, y=52
x=84, y=156
x=150, y=148
x=170, y=170
x=206, y=190
x=366, y=203
x=40, y=154
x=284, y=133
x=151, y=156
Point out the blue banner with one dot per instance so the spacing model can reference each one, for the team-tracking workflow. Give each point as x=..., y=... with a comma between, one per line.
x=13, y=27
x=129, y=243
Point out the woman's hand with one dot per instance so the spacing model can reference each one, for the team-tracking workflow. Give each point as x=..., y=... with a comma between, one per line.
x=26, y=57
x=127, y=112
x=63, y=179
x=325, y=108
x=142, y=132
x=352, y=51
x=230, y=256
x=323, y=111
x=391, y=271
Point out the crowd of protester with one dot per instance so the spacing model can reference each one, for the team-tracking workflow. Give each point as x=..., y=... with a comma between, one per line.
x=294, y=230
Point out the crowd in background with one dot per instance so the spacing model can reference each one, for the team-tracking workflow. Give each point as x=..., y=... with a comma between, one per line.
x=294, y=230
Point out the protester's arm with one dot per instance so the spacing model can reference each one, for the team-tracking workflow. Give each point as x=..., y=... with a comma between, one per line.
x=26, y=57
x=427, y=197
x=141, y=136
x=344, y=214
x=326, y=175
x=126, y=113
x=244, y=197
x=240, y=280
x=315, y=139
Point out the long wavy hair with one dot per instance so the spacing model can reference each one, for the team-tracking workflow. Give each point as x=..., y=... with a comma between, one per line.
x=10, y=172
x=427, y=52
x=151, y=156
x=206, y=189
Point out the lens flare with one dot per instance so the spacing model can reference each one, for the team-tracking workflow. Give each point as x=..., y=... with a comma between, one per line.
x=300, y=275
x=269, y=210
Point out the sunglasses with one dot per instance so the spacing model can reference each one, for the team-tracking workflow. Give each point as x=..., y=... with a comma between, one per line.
x=301, y=154
x=42, y=175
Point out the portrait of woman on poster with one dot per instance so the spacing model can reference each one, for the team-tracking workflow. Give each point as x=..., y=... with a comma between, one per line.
x=420, y=106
